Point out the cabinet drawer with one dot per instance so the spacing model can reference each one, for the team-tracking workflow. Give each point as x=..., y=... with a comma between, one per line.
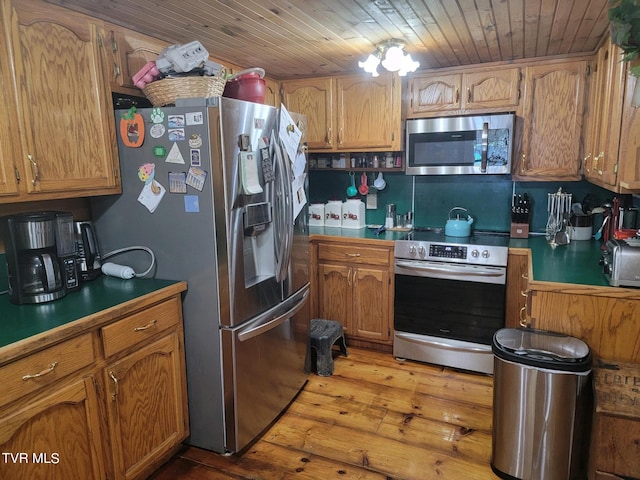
x=353, y=254
x=45, y=367
x=140, y=326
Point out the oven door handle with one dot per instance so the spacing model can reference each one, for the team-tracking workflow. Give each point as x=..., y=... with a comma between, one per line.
x=450, y=269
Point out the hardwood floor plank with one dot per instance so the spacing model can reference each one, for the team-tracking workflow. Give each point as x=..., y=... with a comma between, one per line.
x=391, y=457
x=270, y=461
x=376, y=418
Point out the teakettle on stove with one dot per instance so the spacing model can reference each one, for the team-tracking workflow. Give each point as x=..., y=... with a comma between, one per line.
x=89, y=260
x=621, y=262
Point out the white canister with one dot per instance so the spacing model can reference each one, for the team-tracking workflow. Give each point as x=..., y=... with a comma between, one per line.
x=353, y=213
x=316, y=215
x=333, y=213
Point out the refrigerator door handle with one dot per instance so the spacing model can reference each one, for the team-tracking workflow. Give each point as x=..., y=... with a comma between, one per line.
x=254, y=331
x=284, y=214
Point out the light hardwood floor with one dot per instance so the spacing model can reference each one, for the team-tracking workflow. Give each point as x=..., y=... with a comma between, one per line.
x=375, y=419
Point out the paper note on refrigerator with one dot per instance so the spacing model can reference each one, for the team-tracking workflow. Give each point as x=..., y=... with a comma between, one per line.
x=290, y=135
x=299, y=197
x=249, y=173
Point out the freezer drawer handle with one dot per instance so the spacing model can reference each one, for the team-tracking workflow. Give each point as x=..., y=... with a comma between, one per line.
x=253, y=332
x=152, y=323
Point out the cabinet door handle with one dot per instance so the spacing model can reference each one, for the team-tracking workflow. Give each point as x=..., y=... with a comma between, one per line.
x=525, y=276
x=36, y=171
x=523, y=317
x=349, y=277
x=115, y=383
x=468, y=94
x=328, y=137
x=351, y=254
x=340, y=135
x=523, y=164
x=152, y=323
x=457, y=96
x=44, y=372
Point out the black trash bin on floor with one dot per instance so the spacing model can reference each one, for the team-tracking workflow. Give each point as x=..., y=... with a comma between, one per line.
x=541, y=401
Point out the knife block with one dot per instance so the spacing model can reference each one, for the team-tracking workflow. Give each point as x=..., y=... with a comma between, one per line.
x=519, y=230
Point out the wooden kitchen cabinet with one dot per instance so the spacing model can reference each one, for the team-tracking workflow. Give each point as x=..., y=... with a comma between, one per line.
x=517, y=288
x=486, y=90
x=603, y=318
x=629, y=154
x=550, y=127
x=66, y=145
x=55, y=435
x=128, y=52
x=603, y=118
x=146, y=406
x=108, y=402
x=8, y=178
x=348, y=113
x=146, y=393
x=355, y=287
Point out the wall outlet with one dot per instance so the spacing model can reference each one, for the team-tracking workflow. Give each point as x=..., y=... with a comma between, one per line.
x=372, y=201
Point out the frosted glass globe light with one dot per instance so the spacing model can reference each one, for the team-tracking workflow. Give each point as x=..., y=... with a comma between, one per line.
x=370, y=65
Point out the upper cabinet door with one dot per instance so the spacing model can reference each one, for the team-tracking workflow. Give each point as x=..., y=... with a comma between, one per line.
x=314, y=98
x=499, y=88
x=552, y=121
x=8, y=180
x=130, y=52
x=68, y=144
x=366, y=112
x=434, y=93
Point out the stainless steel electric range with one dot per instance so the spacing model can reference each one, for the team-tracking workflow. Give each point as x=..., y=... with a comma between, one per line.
x=449, y=297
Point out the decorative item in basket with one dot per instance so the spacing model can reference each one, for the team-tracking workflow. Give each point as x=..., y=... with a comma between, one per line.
x=181, y=71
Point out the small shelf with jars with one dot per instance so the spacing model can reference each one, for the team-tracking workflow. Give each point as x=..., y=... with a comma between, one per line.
x=357, y=161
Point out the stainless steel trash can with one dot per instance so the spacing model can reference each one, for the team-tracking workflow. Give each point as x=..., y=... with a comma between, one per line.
x=541, y=399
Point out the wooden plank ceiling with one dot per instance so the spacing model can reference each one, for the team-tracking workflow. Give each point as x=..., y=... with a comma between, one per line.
x=293, y=38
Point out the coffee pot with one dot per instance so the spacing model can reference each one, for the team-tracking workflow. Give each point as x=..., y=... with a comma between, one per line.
x=40, y=260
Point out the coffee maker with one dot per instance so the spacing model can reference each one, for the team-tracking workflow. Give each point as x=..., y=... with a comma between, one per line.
x=40, y=255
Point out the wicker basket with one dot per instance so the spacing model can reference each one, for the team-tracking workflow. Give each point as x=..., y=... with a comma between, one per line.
x=166, y=91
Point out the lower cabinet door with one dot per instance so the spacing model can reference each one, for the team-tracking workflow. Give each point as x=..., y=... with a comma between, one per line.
x=55, y=436
x=146, y=406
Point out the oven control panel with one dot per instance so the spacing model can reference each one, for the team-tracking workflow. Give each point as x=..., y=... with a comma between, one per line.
x=447, y=251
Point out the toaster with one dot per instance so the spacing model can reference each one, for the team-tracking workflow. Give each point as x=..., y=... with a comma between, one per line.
x=621, y=262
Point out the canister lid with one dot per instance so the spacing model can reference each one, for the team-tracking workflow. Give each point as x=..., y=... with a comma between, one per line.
x=543, y=349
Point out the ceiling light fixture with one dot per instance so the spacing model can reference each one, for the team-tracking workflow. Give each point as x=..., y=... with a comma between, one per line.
x=393, y=58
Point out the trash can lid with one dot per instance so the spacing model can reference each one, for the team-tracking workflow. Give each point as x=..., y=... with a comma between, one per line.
x=543, y=349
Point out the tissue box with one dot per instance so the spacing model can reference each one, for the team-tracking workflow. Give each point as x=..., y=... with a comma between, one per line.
x=353, y=214
x=333, y=213
x=316, y=215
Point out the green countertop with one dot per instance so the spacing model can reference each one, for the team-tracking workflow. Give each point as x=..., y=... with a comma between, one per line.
x=18, y=322
x=364, y=233
x=575, y=263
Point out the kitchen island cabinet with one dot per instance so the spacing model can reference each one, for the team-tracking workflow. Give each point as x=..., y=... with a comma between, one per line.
x=66, y=144
x=96, y=384
x=348, y=113
x=352, y=282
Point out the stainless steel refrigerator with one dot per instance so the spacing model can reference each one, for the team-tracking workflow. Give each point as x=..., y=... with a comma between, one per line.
x=214, y=194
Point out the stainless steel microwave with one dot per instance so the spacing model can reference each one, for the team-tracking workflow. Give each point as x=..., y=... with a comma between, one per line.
x=465, y=145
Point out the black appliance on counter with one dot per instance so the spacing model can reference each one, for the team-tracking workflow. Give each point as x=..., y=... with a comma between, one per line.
x=89, y=260
x=40, y=256
x=449, y=297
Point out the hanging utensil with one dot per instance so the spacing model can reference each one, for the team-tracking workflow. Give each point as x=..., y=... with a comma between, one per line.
x=352, y=191
x=363, y=188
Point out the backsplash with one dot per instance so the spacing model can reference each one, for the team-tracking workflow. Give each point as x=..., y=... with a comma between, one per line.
x=487, y=198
